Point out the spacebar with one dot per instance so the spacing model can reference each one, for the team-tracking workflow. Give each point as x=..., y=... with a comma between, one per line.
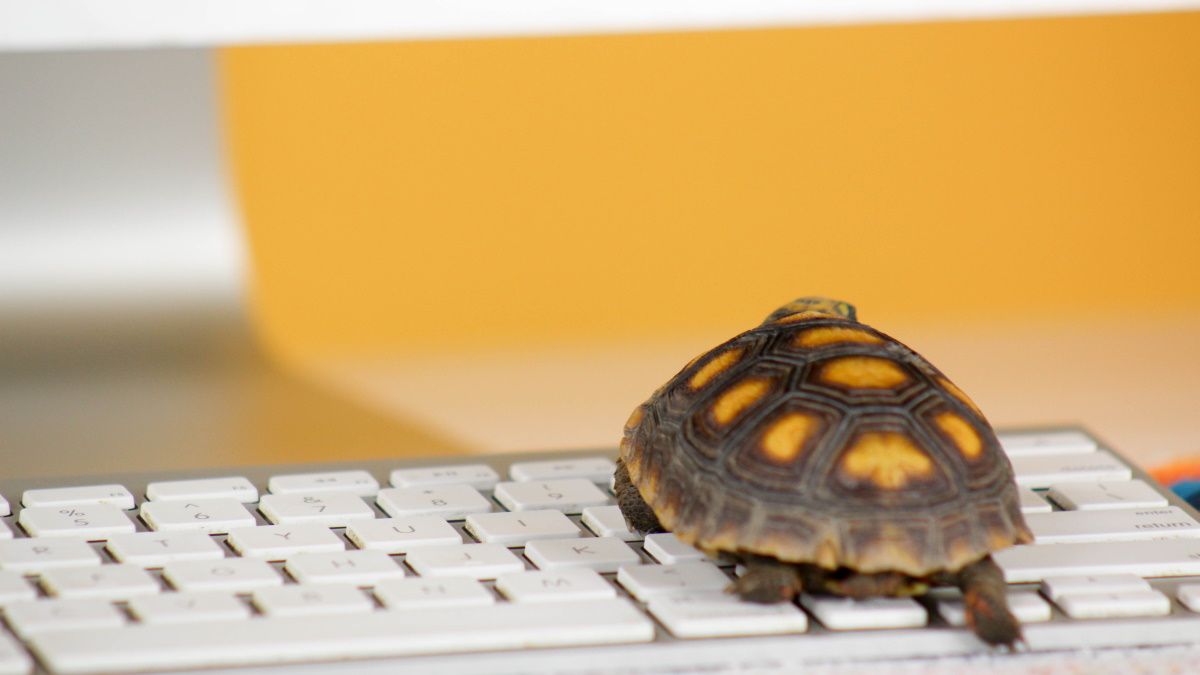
x=262, y=641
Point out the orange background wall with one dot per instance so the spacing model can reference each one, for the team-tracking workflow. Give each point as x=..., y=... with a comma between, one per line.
x=399, y=196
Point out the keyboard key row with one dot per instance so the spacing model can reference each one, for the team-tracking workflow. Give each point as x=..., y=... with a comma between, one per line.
x=368, y=634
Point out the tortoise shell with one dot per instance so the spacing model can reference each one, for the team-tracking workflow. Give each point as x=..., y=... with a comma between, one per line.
x=814, y=438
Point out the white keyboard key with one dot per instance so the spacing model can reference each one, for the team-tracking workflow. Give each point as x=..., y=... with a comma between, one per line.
x=234, y=575
x=668, y=550
x=30, y=618
x=5, y=531
x=518, y=528
x=108, y=582
x=474, y=561
x=1024, y=444
x=34, y=556
x=187, y=607
x=607, y=521
x=211, y=516
x=556, y=586
x=155, y=549
x=279, y=542
x=295, y=600
x=648, y=581
x=596, y=469
x=401, y=535
x=850, y=614
x=359, y=568
x=569, y=495
x=14, y=588
x=478, y=476
x=369, y=634
x=408, y=594
x=232, y=487
x=1113, y=605
x=717, y=614
x=5, y=508
x=1026, y=606
x=1055, y=587
x=1065, y=527
x=13, y=659
x=602, y=554
x=452, y=502
x=113, y=495
x=359, y=483
x=1042, y=471
x=334, y=509
x=1132, y=494
x=1032, y=502
x=1155, y=558
x=1189, y=595
x=94, y=522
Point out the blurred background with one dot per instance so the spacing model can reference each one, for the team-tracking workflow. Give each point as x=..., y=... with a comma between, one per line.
x=306, y=252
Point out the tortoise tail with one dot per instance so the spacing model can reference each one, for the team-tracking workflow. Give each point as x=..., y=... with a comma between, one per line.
x=985, y=599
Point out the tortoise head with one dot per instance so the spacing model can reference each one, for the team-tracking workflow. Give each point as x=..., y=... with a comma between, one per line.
x=809, y=306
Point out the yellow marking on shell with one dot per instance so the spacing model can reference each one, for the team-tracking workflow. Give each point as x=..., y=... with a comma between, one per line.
x=863, y=372
x=887, y=459
x=805, y=316
x=998, y=539
x=635, y=418
x=965, y=438
x=736, y=399
x=715, y=366
x=958, y=394
x=786, y=437
x=832, y=335
x=827, y=555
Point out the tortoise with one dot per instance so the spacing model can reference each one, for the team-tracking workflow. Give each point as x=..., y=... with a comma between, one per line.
x=826, y=456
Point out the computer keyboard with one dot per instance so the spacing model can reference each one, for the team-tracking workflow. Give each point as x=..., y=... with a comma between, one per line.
x=523, y=564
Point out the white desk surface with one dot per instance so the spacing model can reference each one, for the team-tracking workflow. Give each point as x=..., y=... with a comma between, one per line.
x=1132, y=380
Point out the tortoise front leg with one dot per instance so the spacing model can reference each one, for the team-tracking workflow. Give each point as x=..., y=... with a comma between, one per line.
x=985, y=597
x=767, y=580
x=637, y=512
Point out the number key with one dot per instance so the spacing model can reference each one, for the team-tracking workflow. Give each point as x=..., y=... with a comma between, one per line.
x=212, y=516
x=94, y=522
x=569, y=495
x=329, y=509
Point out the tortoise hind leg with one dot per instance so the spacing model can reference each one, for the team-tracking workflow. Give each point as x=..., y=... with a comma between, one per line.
x=637, y=512
x=767, y=580
x=985, y=598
